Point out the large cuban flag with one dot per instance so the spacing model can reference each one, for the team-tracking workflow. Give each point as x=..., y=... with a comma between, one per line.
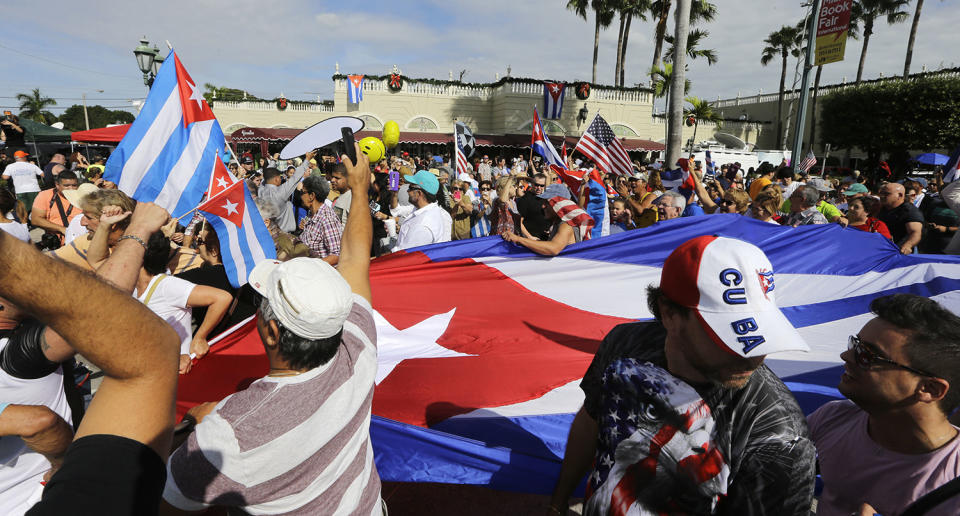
x=482, y=388
x=168, y=153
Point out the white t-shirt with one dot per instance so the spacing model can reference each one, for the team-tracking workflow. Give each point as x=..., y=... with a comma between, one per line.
x=74, y=229
x=342, y=205
x=22, y=469
x=427, y=225
x=169, y=301
x=24, y=176
x=16, y=229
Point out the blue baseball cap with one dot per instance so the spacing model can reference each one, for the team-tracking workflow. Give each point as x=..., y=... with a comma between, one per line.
x=425, y=180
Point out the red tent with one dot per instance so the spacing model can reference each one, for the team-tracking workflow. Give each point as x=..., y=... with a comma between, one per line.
x=107, y=134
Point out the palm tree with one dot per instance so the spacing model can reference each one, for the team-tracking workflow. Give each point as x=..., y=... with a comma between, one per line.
x=660, y=78
x=784, y=43
x=700, y=11
x=675, y=105
x=34, y=106
x=628, y=9
x=912, y=39
x=701, y=111
x=867, y=11
x=693, y=41
x=604, y=17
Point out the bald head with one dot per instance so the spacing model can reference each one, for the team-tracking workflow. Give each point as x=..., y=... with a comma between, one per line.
x=891, y=195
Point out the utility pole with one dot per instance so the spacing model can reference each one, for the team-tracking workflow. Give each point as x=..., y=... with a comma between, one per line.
x=798, y=130
x=677, y=82
x=86, y=119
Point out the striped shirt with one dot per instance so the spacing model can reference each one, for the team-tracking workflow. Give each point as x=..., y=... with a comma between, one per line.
x=289, y=445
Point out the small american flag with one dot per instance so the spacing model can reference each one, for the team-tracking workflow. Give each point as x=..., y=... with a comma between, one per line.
x=808, y=162
x=571, y=213
x=602, y=146
x=462, y=166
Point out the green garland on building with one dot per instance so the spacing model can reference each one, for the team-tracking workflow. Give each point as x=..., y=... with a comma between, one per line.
x=501, y=82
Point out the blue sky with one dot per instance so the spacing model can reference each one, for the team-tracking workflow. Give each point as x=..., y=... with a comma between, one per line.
x=290, y=47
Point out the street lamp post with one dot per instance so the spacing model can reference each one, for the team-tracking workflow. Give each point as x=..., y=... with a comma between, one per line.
x=86, y=119
x=146, y=57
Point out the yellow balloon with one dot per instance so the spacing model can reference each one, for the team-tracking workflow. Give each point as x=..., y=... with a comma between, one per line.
x=373, y=148
x=391, y=134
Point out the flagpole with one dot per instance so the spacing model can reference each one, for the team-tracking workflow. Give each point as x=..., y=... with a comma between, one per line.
x=826, y=154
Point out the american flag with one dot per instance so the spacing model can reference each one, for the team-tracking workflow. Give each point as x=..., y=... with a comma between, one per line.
x=602, y=146
x=462, y=165
x=808, y=162
x=571, y=213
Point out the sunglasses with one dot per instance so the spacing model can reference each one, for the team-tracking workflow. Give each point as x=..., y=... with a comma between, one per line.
x=484, y=189
x=867, y=359
x=728, y=202
x=539, y=185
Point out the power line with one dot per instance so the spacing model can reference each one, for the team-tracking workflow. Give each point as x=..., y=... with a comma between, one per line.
x=89, y=99
x=64, y=64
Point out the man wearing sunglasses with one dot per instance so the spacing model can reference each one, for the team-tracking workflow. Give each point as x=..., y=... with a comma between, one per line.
x=891, y=443
x=429, y=223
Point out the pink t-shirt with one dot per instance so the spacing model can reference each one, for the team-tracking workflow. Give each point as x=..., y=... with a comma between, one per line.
x=856, y=470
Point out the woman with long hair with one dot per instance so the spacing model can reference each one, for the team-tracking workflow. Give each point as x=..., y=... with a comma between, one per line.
x=503, y=219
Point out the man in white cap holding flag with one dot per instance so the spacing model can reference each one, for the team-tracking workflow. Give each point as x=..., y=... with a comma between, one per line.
x=680, y=415
x=296, y=441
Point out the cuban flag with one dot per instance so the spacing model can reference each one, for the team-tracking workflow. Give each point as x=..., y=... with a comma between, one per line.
x=553, y=99
x=541, y=144
x=459, y=400
x=710, y=170
x=679, y=179
x=354, y=89
x=168, y=152
x=951, y=171
x=244, y=238
x=598, y=207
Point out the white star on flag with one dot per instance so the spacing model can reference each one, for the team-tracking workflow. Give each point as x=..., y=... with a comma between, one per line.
x=418, y=341
x=555, y=88
x=196, y=94
x=222, y=183
x=231, y=207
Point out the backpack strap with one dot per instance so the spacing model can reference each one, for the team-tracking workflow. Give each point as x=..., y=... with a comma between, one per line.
x=933, y=498
x=153, y=288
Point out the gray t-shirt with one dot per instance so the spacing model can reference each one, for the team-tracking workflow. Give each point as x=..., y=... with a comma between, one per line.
x=342, y=206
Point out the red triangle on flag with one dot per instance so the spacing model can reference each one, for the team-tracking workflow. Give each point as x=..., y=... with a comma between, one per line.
x=220, y=179
x=229, y=205
x=194, y=106
x=356, y=80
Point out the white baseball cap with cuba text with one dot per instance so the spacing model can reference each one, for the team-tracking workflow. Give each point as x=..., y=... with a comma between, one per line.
x=308, y=296
x=729, y=283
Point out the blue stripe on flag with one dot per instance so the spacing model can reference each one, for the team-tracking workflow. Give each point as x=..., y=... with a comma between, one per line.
x=163, y=85
x=260, y=230
x=200, y=179
x=153, y=181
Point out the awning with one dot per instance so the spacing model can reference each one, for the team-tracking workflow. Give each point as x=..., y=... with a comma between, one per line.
x=105, y=135
x=259, y=134
x=39, y=133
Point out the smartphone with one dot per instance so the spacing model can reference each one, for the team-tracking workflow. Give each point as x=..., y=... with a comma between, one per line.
x=348, y=143
x=457, y=195
x=393, y=180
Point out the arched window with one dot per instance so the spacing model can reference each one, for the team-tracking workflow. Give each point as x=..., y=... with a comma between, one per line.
x=422, y=123
x=371, y=123
x=233, y=127
x=549, y=126
x=623, y=131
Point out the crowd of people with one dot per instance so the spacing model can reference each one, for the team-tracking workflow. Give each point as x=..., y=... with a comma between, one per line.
x=680, y=414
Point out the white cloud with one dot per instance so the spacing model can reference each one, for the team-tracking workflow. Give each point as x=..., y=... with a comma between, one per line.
x=291, y=46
